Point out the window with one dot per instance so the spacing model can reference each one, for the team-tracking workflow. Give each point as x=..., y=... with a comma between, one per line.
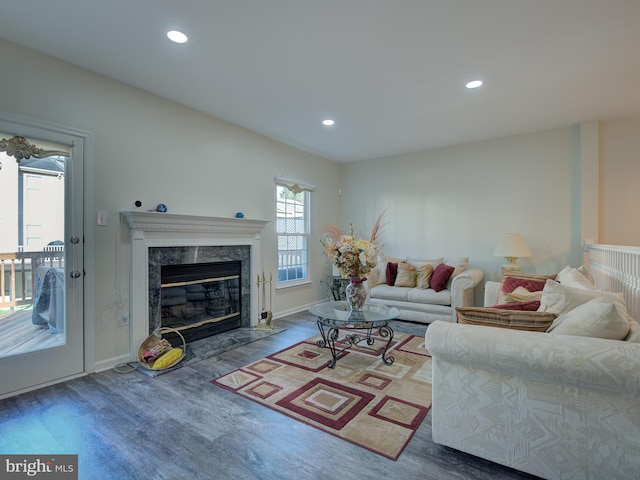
x=292, y=228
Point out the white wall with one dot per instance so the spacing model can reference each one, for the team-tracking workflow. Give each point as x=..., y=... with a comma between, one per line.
x=150, y=149
x=458, y=201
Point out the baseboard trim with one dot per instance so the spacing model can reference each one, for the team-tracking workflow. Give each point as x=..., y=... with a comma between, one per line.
x=298, y=309
x=109, y=363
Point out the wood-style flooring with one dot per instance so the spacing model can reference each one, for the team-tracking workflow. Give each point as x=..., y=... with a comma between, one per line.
x=179, y=426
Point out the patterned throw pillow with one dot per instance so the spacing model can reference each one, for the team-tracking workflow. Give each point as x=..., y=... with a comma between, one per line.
x=513, y=319
x=517, y=289
x=406, y=275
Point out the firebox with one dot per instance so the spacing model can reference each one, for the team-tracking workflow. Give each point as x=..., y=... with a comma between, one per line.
x=201, y=299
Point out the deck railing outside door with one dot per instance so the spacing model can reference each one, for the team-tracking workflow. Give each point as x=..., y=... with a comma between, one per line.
x=17, y=278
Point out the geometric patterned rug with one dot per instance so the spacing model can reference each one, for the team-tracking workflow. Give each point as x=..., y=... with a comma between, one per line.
x=361, y=400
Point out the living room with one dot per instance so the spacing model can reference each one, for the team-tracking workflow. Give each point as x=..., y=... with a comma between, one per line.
x=557, y=186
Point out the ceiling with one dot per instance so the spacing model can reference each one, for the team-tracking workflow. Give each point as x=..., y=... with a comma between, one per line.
x=391, y=73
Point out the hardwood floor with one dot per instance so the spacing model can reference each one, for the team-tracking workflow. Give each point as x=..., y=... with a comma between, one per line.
x=18, y=334
x=179, y=426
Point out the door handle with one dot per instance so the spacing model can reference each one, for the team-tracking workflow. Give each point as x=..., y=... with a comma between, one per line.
x=75, y=274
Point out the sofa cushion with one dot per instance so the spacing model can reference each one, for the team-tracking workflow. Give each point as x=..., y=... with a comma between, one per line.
x=389, y=292
x=458, y=263
x=441, y=276
x=597, y=318
x=430, y=296
x=407, y=275
x=418, y=262
x=518, y=289
x=423, y=275
x=513, y=319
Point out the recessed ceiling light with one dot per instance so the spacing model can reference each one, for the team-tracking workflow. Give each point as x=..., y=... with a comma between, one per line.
x=328, y=122
x=474, y=84
x=176, y=36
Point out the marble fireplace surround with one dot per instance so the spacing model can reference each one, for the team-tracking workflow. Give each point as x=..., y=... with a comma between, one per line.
x=148, y=229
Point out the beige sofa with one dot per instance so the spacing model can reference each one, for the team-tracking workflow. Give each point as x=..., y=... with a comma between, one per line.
x=425, y=305
x=553, y=405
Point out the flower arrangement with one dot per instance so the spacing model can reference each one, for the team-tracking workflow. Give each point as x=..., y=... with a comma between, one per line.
x=353, y=257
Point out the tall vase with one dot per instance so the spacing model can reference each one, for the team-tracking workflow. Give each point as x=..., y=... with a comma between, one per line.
x=356, y=294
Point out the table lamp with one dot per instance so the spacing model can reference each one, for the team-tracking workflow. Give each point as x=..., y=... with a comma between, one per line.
x=512, y=247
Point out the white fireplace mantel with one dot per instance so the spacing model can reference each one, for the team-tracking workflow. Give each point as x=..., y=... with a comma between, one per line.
x=149, y=229
x=153, y=223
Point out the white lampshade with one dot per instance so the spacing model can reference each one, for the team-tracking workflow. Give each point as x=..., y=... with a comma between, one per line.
x=512, y=246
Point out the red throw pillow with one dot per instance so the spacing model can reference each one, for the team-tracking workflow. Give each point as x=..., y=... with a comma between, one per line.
x=530, y=306
x=441, y=276
x=392, y=273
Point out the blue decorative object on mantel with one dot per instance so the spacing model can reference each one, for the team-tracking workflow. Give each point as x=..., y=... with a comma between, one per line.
x=239, y=215
x=162, y=208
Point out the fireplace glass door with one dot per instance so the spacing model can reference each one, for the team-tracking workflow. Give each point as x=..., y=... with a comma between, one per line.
x=201, y=299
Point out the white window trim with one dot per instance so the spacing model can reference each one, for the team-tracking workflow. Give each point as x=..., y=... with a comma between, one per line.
x=293, y=185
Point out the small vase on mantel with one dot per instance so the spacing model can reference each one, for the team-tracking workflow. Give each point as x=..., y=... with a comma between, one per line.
x=356, y=294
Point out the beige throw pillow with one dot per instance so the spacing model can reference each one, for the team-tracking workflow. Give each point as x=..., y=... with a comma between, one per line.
x=406, y=275
x=423, y=277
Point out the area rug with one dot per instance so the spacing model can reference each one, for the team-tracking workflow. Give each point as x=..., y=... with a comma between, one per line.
x=361, y=400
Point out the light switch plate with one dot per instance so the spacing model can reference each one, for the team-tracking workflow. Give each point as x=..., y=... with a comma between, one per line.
x=101, y=218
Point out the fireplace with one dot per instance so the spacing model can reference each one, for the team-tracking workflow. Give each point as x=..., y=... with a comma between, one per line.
x=161, y=240
x=199, y=291
x=201, y=299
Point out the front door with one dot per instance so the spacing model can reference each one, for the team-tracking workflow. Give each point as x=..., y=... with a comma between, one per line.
x=41, y=256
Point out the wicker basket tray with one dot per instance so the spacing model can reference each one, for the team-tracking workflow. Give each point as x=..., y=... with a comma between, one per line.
x=154, y=338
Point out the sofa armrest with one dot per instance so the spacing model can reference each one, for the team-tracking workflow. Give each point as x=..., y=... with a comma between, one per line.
x=462, y=288
x=608, y=366
x=491, y=290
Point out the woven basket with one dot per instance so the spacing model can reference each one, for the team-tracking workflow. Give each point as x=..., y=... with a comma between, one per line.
x=154, y=338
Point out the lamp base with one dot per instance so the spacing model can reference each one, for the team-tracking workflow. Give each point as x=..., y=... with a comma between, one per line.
x=511, y=264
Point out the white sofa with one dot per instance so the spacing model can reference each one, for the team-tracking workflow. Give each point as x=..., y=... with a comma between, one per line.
x=556, y=406
x=427, y=305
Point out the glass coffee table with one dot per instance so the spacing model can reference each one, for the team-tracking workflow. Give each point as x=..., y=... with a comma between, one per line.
x=359, y=326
